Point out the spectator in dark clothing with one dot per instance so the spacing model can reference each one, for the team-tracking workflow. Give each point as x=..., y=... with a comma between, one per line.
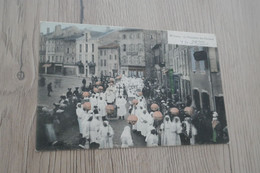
x=204, y=127
x=49, y=88
x=90, y=87
x=69, y=93
x=84, y=82
x=76, y=92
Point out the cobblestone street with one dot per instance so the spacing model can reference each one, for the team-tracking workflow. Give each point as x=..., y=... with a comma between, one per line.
x=71, y=134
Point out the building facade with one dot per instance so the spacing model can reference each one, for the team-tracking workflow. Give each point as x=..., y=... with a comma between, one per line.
x=132, y=54
x=206, y=85
x=70, y=51
x=108, y=62
x=87, y=55
x=179, y=64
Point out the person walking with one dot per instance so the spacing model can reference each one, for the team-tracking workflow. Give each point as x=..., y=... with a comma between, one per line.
x=106, y=134
x=49, y=88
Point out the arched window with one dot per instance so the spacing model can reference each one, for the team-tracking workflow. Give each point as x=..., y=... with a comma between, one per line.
x=196, y=97
x=140, y=47
x=205, y=101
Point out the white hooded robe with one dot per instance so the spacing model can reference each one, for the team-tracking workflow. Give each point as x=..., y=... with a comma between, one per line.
x=126, y=138
x=167, y=132
x=121, y=106
x=177, y=128
x=106, y=136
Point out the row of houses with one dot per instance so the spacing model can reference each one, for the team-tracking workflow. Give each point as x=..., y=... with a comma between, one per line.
x=71, y=51
x=68, y=51
x=191, y=72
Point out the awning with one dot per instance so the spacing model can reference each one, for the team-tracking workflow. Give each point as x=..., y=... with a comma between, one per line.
x=46, y=65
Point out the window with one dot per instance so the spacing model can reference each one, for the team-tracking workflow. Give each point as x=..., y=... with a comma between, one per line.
x=110, y=57
x=186, y=63
x=140, y=47
x=196, y=97
x=138, y=35
x=124, y=36
x=105, y=62
x=201, y=63
x=139, y=60
x=52, y=59
x=86, y=47
x=80, y=57
x=115, y=57
x=49, y=58
x=105, y=52
x=92, y=47
x=86, y=37
x=92, y=58
x=202, y=66
x=60, y=58
x=205, y=101
x=56, y=58
x=80, y=48
x=101, y=52
x=170, y=46
x=124, y=47
x=131, y=48
x=193, y=63
x=68, y=50
x=101, y=62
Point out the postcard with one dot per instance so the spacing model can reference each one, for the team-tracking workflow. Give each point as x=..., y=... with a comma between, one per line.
x=106, y=87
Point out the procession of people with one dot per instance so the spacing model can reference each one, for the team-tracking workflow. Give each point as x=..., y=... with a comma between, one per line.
x=150, y=110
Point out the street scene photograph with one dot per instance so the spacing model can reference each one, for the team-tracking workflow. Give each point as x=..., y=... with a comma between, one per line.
x=102, y=87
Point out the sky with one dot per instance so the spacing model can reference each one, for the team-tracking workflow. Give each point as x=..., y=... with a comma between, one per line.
x=51, y=25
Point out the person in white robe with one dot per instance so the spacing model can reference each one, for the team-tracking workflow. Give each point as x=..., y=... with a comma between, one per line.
x=102, y=106
x=146, y=121
x=126, y=138
x=152, y=138
x=100, y=94
x=92, y=127
x=93, y=101
x=110, y=96
x=167, y=132
x=106, y=134
x=139, y=114
x=80, y=114
x=141, y=103
x=121, y=107
x=190, y=130
x=133, y=111
x=143, y=100
x=177, y=129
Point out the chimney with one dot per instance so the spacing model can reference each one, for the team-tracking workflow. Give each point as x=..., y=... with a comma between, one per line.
x=57, y=29
x=48, y=30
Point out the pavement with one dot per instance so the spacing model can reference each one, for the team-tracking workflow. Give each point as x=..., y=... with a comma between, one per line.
x=70, y=136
